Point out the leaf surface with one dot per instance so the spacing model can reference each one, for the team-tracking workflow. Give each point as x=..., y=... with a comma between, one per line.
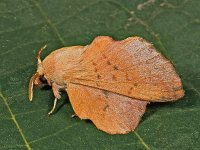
x=25, y=26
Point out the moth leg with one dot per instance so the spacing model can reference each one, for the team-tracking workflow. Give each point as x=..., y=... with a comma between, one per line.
x=54, y=106
x=74, y=115
x=56, y=90
x=56, y=93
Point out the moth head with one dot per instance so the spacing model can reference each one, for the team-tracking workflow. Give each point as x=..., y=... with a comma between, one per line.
x=38, y=77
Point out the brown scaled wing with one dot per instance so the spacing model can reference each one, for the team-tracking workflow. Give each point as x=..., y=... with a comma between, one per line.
x=131, y=67
x=110, y=112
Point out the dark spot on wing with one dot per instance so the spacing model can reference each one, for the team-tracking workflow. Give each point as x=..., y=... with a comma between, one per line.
x=106, y=107
x=94, y=63
x=115, y=67
x=106, y=93
x=163, y=98
x=130, y=90
x=108, y=62
x=114, y=78
x=104, y=56
x=98, y=76
x=128, y=77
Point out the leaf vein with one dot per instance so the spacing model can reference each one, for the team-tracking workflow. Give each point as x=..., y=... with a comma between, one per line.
x=142, y=141
x=12, y=147
x=29, y=112
x=78, y=12
x=54, y=134
x=45, y=16
x=15, y=122
x=23, y=45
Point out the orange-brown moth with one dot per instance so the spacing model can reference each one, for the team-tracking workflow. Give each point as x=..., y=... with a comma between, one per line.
x=110, y=82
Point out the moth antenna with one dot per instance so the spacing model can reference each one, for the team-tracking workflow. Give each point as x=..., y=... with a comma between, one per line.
x=38, y=54
x=31, y=83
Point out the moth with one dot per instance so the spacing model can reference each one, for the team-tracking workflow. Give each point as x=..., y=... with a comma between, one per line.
x=109, y=82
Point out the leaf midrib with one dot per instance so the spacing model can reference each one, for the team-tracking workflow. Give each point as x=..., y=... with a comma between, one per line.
x=13, y=118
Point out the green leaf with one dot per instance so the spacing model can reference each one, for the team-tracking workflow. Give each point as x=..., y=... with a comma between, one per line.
x=173, y=26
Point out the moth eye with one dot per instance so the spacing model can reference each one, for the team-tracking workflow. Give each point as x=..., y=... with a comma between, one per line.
x=43, y=79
